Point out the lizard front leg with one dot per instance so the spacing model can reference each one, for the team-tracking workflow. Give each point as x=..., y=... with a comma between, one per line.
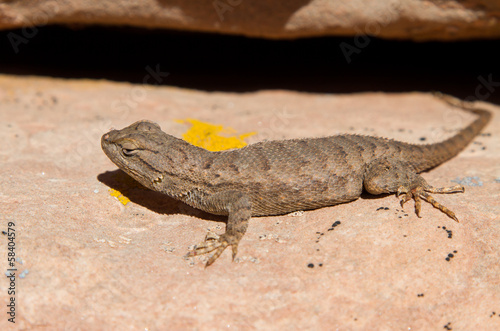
x=390, y=176
x=239, y=208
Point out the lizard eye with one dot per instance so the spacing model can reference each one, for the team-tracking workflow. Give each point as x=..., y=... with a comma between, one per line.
x=129, y=152
x=129, y=148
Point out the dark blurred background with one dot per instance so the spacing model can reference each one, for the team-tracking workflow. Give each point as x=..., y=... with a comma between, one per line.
x=225, y=63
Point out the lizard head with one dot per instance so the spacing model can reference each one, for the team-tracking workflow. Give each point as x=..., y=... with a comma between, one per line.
x=139, y=150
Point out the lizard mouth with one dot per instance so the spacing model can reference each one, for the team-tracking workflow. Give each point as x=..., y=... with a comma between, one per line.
x=107, y=137
x=109, y=147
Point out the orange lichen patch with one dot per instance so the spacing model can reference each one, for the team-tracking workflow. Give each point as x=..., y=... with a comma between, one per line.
x=117, y=194
x=208, y=136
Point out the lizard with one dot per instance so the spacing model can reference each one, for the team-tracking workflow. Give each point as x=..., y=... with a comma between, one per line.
x=282, y=176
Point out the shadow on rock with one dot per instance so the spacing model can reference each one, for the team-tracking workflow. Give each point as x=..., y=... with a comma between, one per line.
x=154, y=201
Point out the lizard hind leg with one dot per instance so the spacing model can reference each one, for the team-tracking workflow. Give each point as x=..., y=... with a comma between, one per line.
x=389, y=176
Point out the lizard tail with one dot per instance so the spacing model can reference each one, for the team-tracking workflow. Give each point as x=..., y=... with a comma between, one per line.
x=435, y=154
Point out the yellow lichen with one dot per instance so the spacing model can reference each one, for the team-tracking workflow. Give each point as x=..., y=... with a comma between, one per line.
x=207, y=136
x=117, y=194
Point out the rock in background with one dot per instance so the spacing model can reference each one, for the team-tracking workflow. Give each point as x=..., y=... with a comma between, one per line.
x=409, y=19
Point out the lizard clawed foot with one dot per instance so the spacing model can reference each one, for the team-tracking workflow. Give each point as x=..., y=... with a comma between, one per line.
x=214, y=242
x=418, y=193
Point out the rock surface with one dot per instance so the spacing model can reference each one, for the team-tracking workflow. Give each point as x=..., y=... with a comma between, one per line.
x=409, y=19
x=86, y=261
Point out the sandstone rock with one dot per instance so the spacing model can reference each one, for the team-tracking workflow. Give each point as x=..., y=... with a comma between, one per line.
x=86, y=261
x=405, y=19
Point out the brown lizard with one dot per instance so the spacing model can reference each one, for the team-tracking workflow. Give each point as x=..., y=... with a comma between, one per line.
x=279, y=177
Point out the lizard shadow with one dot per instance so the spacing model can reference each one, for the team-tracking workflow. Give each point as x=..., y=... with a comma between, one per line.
x=154, y=201
x=368, y=196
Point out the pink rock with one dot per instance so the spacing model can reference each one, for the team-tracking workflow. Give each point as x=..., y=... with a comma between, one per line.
x=89, y=262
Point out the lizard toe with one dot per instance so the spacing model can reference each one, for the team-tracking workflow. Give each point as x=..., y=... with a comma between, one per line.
x=211, y=236
x=214, y=243
x=420, y=193
x=205, y=247
x=435, y=204
x=405, y=193
x=216, y=254
x=402, y=190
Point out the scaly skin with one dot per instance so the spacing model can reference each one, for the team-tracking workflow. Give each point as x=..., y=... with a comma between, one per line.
x=279, y=177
